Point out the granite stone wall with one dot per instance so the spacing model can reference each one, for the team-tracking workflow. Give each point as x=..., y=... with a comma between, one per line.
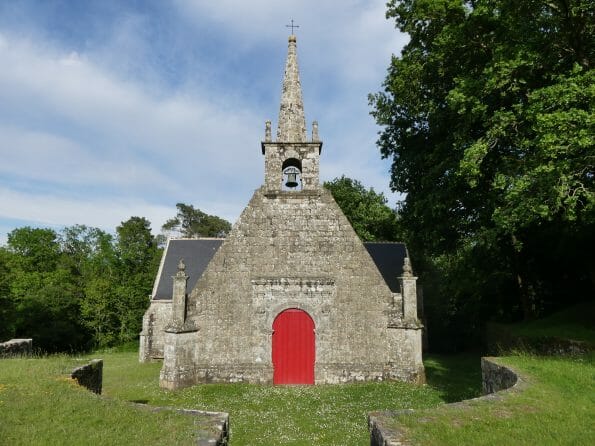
x=16, y=347
x=212, y=427
x=153, y=334
x=292, y=250
x=495, y=378
x=90, y=375
x=500, y=340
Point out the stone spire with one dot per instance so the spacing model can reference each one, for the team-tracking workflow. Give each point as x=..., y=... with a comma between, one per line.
x=292, y=123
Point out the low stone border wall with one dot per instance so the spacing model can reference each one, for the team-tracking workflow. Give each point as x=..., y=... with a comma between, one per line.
x=205, y=438
x=500, y=341
x=16, y=347
x=380, y=434
x=496, y=379
x=90, y=375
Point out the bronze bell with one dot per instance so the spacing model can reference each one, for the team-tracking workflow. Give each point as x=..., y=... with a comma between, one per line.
x=291, y=180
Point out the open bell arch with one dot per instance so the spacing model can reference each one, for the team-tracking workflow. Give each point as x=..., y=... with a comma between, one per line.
x=291, y=178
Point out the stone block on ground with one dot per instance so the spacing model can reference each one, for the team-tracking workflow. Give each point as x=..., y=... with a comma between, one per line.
x=90, y=375
x=16, y=347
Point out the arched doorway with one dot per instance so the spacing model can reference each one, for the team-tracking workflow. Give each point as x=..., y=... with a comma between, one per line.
x=293, y=348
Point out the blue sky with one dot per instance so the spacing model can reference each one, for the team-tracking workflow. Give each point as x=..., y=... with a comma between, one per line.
x=110, y=109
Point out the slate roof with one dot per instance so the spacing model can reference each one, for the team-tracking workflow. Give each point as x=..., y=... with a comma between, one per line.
x=197, y=253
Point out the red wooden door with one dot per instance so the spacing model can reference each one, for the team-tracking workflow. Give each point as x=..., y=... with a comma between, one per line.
x=293, y=348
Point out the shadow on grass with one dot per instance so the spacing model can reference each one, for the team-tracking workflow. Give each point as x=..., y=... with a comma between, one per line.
x=455, y=377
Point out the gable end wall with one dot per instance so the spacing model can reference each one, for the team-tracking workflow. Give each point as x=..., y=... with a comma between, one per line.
x=292, y=250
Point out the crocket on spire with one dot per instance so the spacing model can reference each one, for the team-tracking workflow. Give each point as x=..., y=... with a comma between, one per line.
x=292, y=123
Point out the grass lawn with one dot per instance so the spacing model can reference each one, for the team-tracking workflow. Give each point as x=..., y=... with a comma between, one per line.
x=287, y=415
x=558, y=408
x=39, y=405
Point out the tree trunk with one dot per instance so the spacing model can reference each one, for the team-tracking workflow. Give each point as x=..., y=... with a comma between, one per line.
x=525, y=295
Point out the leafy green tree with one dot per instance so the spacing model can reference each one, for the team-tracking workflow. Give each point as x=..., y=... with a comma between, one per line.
x=488, y=117
x=114, y=277
x=35, y=249
x=138, y=262
x=43, y=292
x=79, y=244
x=7, y=310
x=78, y=288
x=135, y=245
x=91, y=257
x=100, y=310
x=191, y=222
x=365, y=209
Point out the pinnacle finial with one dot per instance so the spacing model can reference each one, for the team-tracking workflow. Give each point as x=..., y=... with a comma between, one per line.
x=407, y=271
x=315, y=137
x=292, y=123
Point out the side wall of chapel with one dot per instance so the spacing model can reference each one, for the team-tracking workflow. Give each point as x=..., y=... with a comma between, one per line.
x=152, y=336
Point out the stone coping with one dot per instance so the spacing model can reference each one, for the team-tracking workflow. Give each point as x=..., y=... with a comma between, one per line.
x=499, y=342
x=219, y=419
x=497, y=380
x=16, y=347
x=90, y=375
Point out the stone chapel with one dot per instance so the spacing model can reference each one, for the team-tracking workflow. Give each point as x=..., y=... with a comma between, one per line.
x=291, y=295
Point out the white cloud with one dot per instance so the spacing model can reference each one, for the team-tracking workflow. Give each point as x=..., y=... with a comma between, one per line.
x=95, y=129
x=353, y=40
x=47, y=157
x=102, y=142
x=73, y=88
x=53, y=211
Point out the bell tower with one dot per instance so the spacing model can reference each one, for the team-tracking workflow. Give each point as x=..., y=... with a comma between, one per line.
x=291, y=160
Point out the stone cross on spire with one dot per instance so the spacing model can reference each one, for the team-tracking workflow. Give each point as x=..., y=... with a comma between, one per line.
x=292, y=26
x=292, y=123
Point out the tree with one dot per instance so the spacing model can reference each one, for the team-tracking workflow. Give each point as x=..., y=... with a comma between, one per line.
x=7, y=310
x=93, y=262
x=191, y=222
x=135, y=245
x=488, y=117
x=138, y=262
x=78, y=288
x=42, y=291
x=35, y=249
x=365, y=209
x=116, y=276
